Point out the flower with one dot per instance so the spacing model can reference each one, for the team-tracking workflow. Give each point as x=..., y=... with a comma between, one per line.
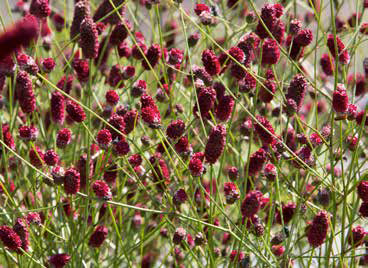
x=101, y=190
x=357, y=236
x=40, y=8
x=266, y=137
x=340, y=100
x=256, y=162
x=89, y=38
x=51, y=157
x=63, y=138
x=24, y=91
x=175, y=129
x=270, y=52
x=81, y=11
x=10, y=238
x=215, y=144
x=59, y=260
x=317, y=230
x=104, y=138
x=231, y=192
x=75, y=111
x=153, y=55
x=71, y=181
x=36, y=157
x=342, y=53
x=210, y=62
x=179, y=235
x=251, y=203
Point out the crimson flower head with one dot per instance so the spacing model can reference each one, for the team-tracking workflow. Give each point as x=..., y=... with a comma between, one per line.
x=266, y=137
x=206, y=100
x=121, y=147
x=225, y=108
x=363, y=190
x=75, y=111
x=153, y=55
x=270, y=172
x=270, y=52
x=215, y=144
x=231, y=192
x=278, y=250
x=101, y=190
x=24, y=91
x=28, y=133
x=89, y=38
x=51, y=157
x=98, y=236
x=48, y=64
x=10, y=238
x=210, y=62
x=357, y=236
x=327, y=64
x=112, y=98
x=256, y=162
x=296, y=90
x=104, y=138
x=193, y=39
x=340, y=100
x=196, y=167
x=40, y=8
x=81, y=67
x=63, y=138
x=107, y=11
x=287, y=213
x=36, y=157
x=21, y=228
x=304, y=37
x=59, y=260
x=175, y=129
x=71, y=181
x=179, y=235
x=175, y=56
x=138, y=88
x=180, y=197
x=20, y=35
x=251, y=204
x=317, y=230
x=120, y=32
x=342, y=53
x=81, y=11
x=57, y=107
x=139, y=50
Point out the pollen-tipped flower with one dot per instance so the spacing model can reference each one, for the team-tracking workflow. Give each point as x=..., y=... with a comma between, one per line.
x=98, y=236
x=215, y=144
x=89, y=38
x=10, y=238
x=101, y=190
x=104, y=138
x=175, y=129
x=210, y=62
x=175, y=56
x=327, y=64
x=270, y=52
x=296, y=90
x=153, y=55
x=71, y=181
x=36, y=157
x=251, y=204
x=342, y=53
x=357, y=236
x=75, y=111
x=63, y=138
x=28, y=133
x=59, y=260
x=256, y=162
x=81, y=11
x=24, y=91
x=180, y=196
x=40, y=8
x=317, y=231
x=265, y=137
x=224, y=108
x=340, y=99
x=231, y=192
